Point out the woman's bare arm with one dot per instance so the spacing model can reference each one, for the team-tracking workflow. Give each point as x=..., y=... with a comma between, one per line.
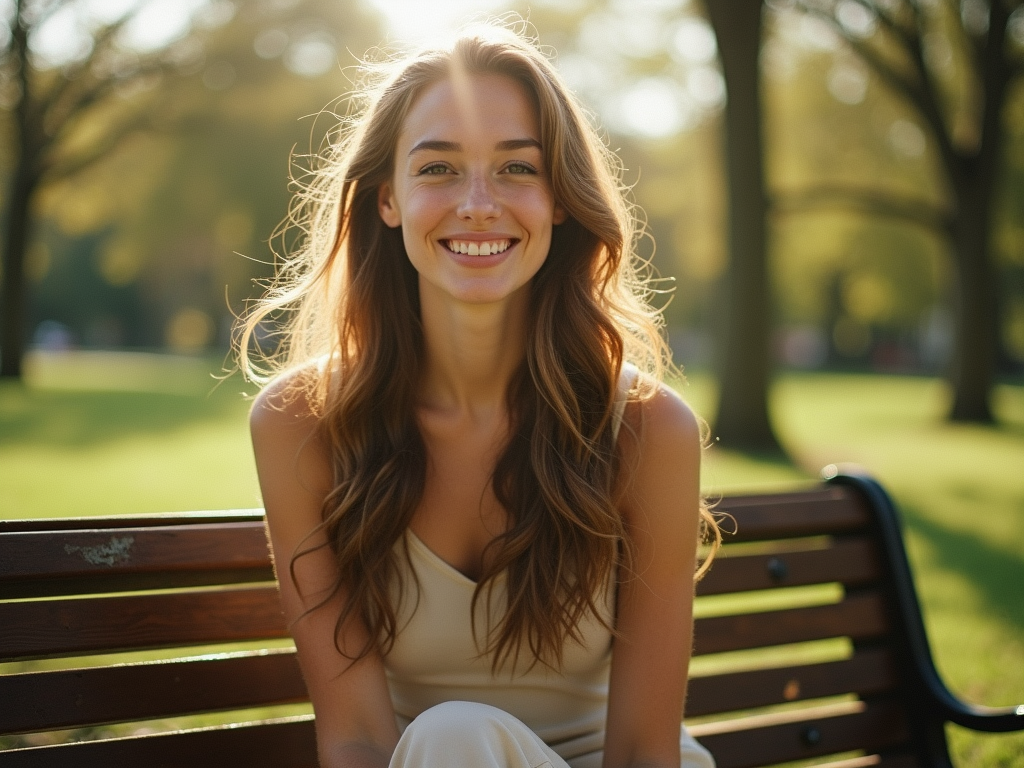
x=355, y=721
x=654, y=616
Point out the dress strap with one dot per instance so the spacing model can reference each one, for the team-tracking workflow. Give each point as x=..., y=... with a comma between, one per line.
x=627, y=378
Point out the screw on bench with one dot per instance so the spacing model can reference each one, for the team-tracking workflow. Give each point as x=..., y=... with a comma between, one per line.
x=810, y=736
x=778, y=569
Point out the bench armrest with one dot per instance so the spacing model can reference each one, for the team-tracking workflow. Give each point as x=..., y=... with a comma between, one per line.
x=989, y=719
x=931, y=690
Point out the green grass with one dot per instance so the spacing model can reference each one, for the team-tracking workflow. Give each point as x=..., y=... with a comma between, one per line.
x=120, y=434
x=961, y=492
x=114, y=434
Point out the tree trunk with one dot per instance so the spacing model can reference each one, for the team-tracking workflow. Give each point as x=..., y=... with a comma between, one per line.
x=17, y=220
x=744, y=359
x=972, y=372
x=16, y=234
x=976, y=299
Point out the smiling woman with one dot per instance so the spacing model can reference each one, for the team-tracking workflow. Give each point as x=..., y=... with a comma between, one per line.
x=476, y=217
x=460, y=525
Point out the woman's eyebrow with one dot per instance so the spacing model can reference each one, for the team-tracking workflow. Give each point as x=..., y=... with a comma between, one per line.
x=504, y=146
x=435, y=145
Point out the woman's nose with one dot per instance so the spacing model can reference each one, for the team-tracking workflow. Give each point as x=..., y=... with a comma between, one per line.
x=479, y=202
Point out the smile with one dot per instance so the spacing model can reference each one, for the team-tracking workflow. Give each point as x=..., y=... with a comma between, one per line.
x=478, y=248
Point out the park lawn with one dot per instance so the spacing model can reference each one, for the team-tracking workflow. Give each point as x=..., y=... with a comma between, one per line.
x=121, y=434
x=112, y=434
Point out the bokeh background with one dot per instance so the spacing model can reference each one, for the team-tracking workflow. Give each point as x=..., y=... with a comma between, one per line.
x=152, y=145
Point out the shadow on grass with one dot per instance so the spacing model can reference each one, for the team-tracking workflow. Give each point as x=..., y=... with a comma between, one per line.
x=996, y=573
x=81, y=419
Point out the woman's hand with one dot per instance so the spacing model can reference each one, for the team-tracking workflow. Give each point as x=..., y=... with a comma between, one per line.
x=355, y=721
x=660, y=442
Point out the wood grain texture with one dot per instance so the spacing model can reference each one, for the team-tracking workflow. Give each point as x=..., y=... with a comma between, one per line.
x=206, y=546
x=131, y=521
x=766, y=740
x=848, y=561
x=859, y=617
x=39, y=628
x=35, y=564
x=285, y=743
x=865, y=673
x=828, y=510
x=40, y=701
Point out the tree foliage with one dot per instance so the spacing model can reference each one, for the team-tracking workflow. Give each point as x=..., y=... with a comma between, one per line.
x=154, y=173
x=953, y=63
x=64, y=117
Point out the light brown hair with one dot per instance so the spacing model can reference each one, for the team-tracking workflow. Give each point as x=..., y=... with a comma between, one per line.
x=347, y=298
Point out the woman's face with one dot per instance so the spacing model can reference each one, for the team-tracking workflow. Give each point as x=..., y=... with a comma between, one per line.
x=470, y=189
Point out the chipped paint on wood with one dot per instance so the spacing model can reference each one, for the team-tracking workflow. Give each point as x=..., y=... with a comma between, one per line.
x=117, y=550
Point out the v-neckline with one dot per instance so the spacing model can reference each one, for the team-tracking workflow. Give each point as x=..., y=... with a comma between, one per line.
x=438, y=560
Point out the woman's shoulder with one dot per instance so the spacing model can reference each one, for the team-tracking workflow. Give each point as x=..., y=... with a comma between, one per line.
x=661, y=455
x=662, y=432
x=289, y=402
x=292, y=457
x=655, y=411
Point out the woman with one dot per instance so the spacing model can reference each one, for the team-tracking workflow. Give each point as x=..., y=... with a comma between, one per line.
x=478, y=565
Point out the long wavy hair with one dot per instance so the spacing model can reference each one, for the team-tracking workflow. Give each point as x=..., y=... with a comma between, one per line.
x=347, y=305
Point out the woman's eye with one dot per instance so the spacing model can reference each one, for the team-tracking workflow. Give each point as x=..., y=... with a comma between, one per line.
x=520, y=167
x=434, y=169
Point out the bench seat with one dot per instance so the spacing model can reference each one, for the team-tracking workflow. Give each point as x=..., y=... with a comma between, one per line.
x=808, y=642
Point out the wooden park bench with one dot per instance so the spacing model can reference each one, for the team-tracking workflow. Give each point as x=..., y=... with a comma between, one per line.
x=91, y=587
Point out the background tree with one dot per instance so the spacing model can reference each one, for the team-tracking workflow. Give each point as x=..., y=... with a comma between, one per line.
x=742, y=421
x=109, y=84
x=953, y=62
x=156, y=242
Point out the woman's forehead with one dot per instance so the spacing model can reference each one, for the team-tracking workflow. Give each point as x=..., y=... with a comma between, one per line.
x=470, y=109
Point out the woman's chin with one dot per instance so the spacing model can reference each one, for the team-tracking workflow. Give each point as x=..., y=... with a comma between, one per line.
x=474, y=292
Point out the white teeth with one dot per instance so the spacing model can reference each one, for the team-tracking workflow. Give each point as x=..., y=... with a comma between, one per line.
x=476, y=248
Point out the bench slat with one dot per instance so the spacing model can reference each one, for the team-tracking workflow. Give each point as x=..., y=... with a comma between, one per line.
x=44, y=701
x=858, y=616
x=61, y=627
x=866, y=672
x=34, y=564
x=131, y=550
x=878, y=726
x=285, y=743
x=848, y=561
x=131, y=521
x=828, y=510
x=100, y=584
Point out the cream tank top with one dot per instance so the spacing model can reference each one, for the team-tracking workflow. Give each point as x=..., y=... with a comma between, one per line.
x=435, y=657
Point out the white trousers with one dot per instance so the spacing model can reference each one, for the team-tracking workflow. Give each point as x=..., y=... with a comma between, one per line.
x=463, y=734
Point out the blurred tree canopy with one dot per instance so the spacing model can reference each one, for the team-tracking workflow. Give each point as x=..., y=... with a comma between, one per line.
x=855, y=285
x=953, y=64
x=158, y=243
x=65, y=114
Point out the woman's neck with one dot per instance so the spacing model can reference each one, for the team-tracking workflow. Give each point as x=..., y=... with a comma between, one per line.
x=472, y=351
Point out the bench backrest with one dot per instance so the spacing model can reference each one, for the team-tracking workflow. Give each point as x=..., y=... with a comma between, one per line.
x=798, y=653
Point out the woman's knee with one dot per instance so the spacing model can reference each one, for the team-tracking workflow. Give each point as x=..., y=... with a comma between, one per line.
x=459, y=717
x=463, y=734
